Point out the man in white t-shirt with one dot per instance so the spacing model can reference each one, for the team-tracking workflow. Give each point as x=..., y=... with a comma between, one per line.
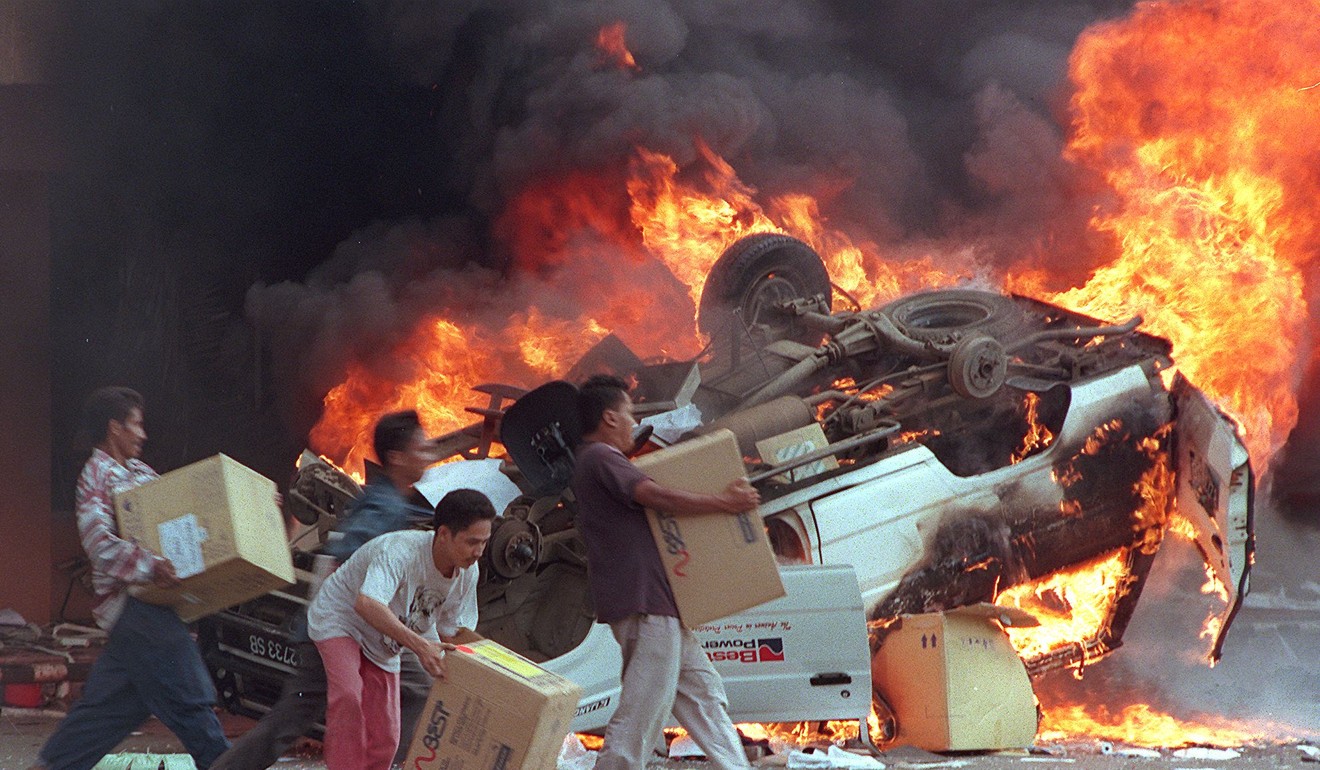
x=410, y=589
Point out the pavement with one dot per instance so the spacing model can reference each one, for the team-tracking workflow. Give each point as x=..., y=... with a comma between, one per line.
x=22, y=732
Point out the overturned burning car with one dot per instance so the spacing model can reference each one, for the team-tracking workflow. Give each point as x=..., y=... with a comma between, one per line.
x=951, y=448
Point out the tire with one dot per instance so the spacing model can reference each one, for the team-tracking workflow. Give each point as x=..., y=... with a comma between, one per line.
x=754, y=273
x=949, y=315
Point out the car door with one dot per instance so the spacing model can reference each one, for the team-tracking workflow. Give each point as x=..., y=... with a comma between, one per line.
x=804, y=656
x=1215, y=494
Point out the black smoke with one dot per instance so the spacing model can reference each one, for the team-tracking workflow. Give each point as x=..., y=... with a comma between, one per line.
x=258, y=194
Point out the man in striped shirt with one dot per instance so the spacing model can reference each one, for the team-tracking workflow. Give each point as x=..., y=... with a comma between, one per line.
x=150, y=665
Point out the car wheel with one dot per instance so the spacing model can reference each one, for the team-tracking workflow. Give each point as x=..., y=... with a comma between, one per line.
x=977, y=367
x=754, y=275
x=948, y=315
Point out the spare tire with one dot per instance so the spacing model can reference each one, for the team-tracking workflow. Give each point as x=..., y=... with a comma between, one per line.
x=948, y=315
x=754, y=274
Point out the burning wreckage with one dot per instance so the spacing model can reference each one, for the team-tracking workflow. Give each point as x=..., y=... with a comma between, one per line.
x=952, y=448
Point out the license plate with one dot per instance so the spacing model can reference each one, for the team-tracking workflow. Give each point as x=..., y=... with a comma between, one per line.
x=270, y=649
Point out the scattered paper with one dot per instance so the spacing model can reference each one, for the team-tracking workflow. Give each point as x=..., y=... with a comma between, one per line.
x=670, y=426
x=1137, y=752
x=834, y=757
x=684, y=746
x=481, y=475
x=574, y=756
x=1201, y=752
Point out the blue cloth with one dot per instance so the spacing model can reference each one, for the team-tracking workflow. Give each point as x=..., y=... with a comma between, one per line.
x=149, y=666
x=381, y=508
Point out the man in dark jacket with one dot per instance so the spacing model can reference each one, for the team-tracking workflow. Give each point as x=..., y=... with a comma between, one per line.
x=404, y=454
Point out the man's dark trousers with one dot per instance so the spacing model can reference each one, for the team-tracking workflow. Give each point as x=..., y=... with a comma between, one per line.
x=302, y=705
x=149, y=665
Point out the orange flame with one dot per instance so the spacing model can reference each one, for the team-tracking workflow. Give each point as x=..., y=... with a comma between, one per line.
x=1070, y=606
x=612, y=48
x=681, y=218
x=1038, y=436
x=1208, y=148
x=1140, y=724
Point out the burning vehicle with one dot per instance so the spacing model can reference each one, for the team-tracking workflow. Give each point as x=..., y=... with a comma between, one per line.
x=949, y=449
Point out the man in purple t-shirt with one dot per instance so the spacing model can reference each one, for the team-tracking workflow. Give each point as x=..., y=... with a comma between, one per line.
x=664, y=667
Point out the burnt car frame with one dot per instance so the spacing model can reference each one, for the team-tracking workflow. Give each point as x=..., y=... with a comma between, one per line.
x=949, y=446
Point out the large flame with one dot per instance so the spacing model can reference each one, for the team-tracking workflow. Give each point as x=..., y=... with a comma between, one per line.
x=1198, y=117
x=681, y=219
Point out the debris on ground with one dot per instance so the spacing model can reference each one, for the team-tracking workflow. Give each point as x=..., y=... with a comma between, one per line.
x=1202, y=752
x=833, y=757
x=130, y=761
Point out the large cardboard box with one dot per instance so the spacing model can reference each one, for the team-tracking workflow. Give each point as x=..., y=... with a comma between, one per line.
x=955, y=682
x=218, y=522
x=495, y=711
x=717, y=563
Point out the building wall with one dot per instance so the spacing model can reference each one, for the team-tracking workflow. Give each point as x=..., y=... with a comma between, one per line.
x=28, y=156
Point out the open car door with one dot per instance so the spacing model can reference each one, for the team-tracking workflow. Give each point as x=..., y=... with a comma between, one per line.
x=1216, y=494
x=804, y=656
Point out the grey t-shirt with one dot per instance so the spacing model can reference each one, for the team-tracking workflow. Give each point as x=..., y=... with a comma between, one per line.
x=396, y=570
x=625, y=572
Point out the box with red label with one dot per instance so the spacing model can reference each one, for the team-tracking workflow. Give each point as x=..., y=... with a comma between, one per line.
x=217, y=522
x=717, y=563
x=496, y=710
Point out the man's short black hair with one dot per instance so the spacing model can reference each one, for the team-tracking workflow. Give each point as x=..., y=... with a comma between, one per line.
x=459, y=509
x=599, y=393
x=106, y=404
x=393, y=432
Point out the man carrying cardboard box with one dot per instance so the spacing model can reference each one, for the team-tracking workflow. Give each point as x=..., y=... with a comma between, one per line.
x=664, y=667
x=150, y=664
x=404, y=453
x=408, y=589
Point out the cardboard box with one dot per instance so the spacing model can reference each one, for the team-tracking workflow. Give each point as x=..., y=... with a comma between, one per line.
x=495, y=711
x=218, y=522
x=717, y=563
x=954, y=681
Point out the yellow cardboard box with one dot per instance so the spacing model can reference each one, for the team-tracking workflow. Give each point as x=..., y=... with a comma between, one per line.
x=717, y=564
x=496, y=711
x=954, y=681
x=218, y=522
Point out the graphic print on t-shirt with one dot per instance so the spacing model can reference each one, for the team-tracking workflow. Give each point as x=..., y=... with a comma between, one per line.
x=421, y=613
